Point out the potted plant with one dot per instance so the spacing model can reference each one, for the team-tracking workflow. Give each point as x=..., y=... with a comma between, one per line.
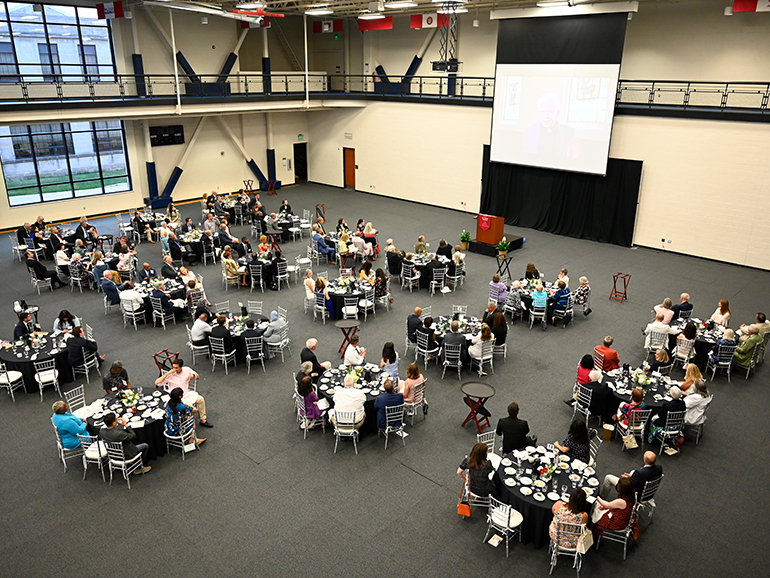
x=465, y=236
x=502, y=248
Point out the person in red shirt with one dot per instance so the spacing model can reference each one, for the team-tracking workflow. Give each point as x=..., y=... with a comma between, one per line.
x=611, y=359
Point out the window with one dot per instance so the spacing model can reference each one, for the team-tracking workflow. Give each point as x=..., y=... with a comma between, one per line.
x=90, y=62
x=49, y=62
x=9, y=72
x=51, y=162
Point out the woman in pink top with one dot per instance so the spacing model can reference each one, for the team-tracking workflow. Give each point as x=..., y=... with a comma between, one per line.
x=413, y=377
x=722, y=313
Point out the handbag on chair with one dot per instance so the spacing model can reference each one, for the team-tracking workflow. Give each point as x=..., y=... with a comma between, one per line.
x=463, y=506
x=585, y=541
x=629, y=441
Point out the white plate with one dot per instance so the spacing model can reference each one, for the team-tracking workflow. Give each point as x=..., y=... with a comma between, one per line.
x=147, y=398
x=563, y=458
x=341, y=366
x=574, y=477
x=506, y=462
x=588, y=491
x=147, y=413
x=553, y=496
x=563, y=466
x=539, y=497
x=530, y=449
x=526, y=491
x=366, y=389
x=327, y=373
x=324, y=380
x=539, y=484
x=136, y=418
x=589, y=471
x=526, y=481
x=593, y=482
x=141, y=408
x=376, y=392
x=98, y=415
x=541, y=449
x=509, y=471
x=324, y=387
x=335, y=371
x=157, y=393
x=549, y=455
x=510, y=482
x=330, y=391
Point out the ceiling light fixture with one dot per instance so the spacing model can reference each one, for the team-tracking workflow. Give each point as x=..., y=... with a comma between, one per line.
x=371, y=17
x=397, y=4
x=250, y=5
x=458, y=10
x=319, y=12
x=552, y=4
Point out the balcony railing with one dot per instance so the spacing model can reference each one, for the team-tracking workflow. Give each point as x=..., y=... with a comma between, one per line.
x=732, y=97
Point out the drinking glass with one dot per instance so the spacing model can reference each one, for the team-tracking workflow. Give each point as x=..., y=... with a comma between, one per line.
x=564, y=489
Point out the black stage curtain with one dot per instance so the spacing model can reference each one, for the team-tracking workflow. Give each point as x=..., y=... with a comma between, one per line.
x=564, y=203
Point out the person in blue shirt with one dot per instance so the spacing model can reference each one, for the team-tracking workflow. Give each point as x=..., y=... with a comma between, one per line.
x=558, y=301
x=69, y=426
x=110, y=288
x=147, y=273
x=323, y=248
x=387, y=399
x=177, y=412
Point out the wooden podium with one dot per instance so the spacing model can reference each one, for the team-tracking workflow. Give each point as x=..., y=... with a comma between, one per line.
x=489, y=229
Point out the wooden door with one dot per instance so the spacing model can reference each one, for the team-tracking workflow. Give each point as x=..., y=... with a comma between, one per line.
x=349, y=159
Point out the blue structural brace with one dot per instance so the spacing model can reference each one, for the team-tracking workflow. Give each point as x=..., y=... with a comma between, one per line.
x=267, y=83
x=172, y=181
x=141, y=86
x=188, y=70
x=255, y=169
x=227, y=67
x=412, y=70
x=152, y=180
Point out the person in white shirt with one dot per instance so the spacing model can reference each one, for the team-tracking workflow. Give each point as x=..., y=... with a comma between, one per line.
x=658, y=326
x=696, y=403
x=349, y=398
x=665, y=309
x=130, y=298
x=354, y=354
x=181, y=376
x=563, y=277
x=200, y=330
x=272, y=332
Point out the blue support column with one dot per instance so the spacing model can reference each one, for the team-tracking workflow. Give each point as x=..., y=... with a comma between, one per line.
x=141, y=86
x=227, y=67
x=267, y=83
x=172, y=181
x=271, y=164
x=255, y=169
x=152, y=181
x=188, y=70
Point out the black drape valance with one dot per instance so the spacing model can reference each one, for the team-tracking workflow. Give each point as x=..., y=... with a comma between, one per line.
x=564, y=203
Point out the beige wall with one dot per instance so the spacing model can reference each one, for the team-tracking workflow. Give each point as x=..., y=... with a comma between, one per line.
x=704, y=186
x=420, y=152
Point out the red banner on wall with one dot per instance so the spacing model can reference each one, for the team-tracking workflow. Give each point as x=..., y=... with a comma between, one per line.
x=380, y=24
x=323, y=26
x=110, y=10
x=429, y=20
x=751, y=6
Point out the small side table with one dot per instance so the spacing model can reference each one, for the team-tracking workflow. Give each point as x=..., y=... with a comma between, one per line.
x=503, y=265
x=617, y=293
x=476, y=395
x=348, y=328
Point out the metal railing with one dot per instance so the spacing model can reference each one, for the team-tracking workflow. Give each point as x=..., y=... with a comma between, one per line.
x=751, y=97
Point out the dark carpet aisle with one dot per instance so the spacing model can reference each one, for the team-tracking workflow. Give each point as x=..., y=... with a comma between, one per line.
x=258, y=500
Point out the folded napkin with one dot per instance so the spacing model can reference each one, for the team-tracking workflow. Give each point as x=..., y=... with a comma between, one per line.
x=189, y=397
x=136, y=424
x=578, y=465
x=495, y=459
x=82, y=412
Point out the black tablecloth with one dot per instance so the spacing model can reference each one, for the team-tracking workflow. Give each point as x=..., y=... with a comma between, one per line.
x=336, y=380
x=537, y=515
x=152, y=432
x=27, y=366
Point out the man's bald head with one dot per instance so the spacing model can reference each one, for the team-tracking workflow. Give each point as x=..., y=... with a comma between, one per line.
x=649, y=458
x=418, y=311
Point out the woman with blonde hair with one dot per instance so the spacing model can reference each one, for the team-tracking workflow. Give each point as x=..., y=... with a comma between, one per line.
x=691, y=375
x=661, y=360
x=722, y=313
x=370, y=236
x=476, y=343
x=98, y=267
x=231, y=267
x=264, y=246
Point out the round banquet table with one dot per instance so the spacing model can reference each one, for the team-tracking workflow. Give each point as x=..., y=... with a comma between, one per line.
x=537, y=514
x=704, y=342
x=152, y=431
x=174, y=288
x=238, y=327
x=372, y=379
x=26, y=365
x=337, y=294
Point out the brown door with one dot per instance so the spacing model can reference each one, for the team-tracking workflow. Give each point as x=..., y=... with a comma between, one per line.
x=349, y=156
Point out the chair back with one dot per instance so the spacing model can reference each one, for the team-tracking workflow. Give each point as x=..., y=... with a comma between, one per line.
x=438, y=276
x=222, y=307
x=499, y=514
x=422, y=340
x=487, y=438
x=494, y=293
x=115, y=452
x=460, y=309
x=685, y=315
x=283, y=314
x=725, y=354
x=41, y=366
x=254, y=347
x=394, y=415
x=192, y=298
x=594, y=444
x=451, y=354
x=320, y=301
x=217, y=345
x=157, y=306
x=346, y=272
x=351, y=307
x=598, y=360
x=254, y=307
x=584, y=397
x=684, y=347
x=638, y=420
x=649, y=489
x=281, y=265
x=75, y=398
x=674, y=421
x=426, y=312
x=419, y=392
x=346, y=422
x=569, y=534
x=487, y=349
x=665, y=370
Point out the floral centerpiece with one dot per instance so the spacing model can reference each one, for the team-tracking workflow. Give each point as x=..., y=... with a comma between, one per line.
x=130, y=398
x=502, y=247
x=355, y=371
x=546, y=472
x=264, y=255
x=641, y=379
x=343, y=281
x=195, y=234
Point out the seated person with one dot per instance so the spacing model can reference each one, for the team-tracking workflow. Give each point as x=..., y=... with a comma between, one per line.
x=41, y=272
x=310, y=398
x=323, y=248
x=166, y=302
x=143, y=227
x=116, y=379
x=110, y=288
x=363, y=249
x=648, y=472
x=475, y=350
x=658, y=421
x=179, y=377
x=354, y=353
x=118, y=430
x=745, y=351
x=177, y=413
x=69, y=426
x=412, y=323
x=624, y=411
x=489, y=313
x=575, y=511
x=602, y=400
x=691, y=375
x=476, y=469
x=272, y=333
x=65, y=322
x=25, y=326
x=395, y=259
x=539, y=297
x=222, y=332
x=615, y=514
x=576, y=445
x=130, y=298
x=413, y=377
x=584, y=368
x=763, y=326
x=201, y=329
x=147, y=273
x=683, y=305
x=696, y=403
x=187, y=226
x=366, y=274
x=558, y=301
x=420, y=246
x=721, y=314
x=169, y=270
x=428, y=331
x=348, y=398
x=611, y=359
x=75, y=346
x=454, y=337
x=513, y=430
x=658, y=326
x=661, y=360
x=387, y=399
x=264, y=247
x=444, y=249
x=562, y=277
x=308, y=354
x=582, y=294
x=501, y=288
x=531, y=271
x=665, y=309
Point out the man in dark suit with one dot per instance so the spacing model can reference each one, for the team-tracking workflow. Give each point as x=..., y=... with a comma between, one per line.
x=76, y=346
x=433, y=265
x=141, y=226
x=490, y=313
x=41, y=272
x=112, y=432
x=683, y=305
x=250, y=332
x=222, y=332
x=387, y=399
x=146, y=273
x=24, y=326
x=188, y=226
x=110, y=288
x=168, y=305
x=178, y=252
x=603, y=402
x=412, y=323
x=444, y=249
x=308, y=354
x=225, y=238
x=23, y=234
x=395, y=259
x=513, y=430
x=168, y=271
x=82, y=231
x=649, y=471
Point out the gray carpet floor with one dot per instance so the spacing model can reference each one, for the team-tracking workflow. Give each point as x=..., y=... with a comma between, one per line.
x=259, y=499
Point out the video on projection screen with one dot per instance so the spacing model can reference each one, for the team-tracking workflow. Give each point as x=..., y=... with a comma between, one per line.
x=556, y=116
